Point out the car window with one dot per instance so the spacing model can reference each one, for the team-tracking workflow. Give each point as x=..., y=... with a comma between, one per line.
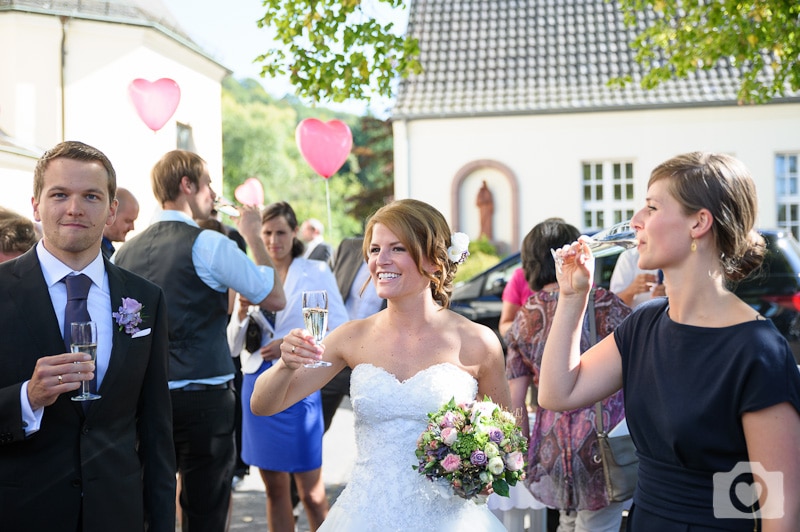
x=500, y=276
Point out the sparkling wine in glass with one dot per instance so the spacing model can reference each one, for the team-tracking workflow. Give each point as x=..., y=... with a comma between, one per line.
x=225, y=206
x=84, y=340
x=315, y=316
x=605, y=242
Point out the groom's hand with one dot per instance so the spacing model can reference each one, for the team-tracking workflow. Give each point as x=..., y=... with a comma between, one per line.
x=57, y=374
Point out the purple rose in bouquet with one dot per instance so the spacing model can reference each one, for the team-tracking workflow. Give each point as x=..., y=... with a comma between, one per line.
x=471, y=446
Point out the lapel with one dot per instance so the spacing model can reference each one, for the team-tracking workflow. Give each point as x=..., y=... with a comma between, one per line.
x=32, y=298
x=118, y=288
x=351, y=257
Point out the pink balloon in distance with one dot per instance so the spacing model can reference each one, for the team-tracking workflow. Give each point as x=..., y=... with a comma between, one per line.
x=324, y=145
x=251, y=192
x=156, y=101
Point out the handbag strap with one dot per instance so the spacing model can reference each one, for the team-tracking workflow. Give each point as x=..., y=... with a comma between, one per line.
x=598, y=406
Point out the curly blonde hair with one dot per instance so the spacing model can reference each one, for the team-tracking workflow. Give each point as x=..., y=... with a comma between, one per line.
x=426, y=234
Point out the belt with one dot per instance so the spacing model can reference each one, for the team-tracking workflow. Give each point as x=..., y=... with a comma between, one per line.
x=197, y=387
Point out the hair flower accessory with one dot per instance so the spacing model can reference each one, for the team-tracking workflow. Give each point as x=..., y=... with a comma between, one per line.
x=129, y=315
x=459, y=248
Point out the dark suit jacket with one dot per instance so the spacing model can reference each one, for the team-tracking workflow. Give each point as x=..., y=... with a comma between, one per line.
x=119, y=455
x=324, y=252
x=348, y=260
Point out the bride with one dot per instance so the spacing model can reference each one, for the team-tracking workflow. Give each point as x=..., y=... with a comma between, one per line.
x=407, y=360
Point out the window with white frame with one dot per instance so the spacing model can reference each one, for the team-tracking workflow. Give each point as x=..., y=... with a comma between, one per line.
x=787, y=193
x=607, y=193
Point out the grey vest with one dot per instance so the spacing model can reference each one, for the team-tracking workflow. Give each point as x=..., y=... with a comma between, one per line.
x=198, y=346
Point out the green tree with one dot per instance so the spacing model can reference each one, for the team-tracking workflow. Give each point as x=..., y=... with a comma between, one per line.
x=258, y=140
x=760, y=38
x=333, y=50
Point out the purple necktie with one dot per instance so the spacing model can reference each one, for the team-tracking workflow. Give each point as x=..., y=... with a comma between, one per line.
x=77, y=311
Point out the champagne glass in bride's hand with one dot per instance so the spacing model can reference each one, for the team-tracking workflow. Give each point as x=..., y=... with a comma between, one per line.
x=315, y=316
x=604, y=242
x=84, y=340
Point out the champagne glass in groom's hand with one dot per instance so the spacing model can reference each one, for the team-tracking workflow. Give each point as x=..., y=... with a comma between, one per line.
x=84, y=340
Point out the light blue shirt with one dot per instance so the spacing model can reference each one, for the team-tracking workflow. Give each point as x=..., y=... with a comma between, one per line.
x=98, y=305
x=220, y=264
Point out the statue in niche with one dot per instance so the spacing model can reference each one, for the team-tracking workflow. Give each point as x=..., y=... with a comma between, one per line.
x=485, y=204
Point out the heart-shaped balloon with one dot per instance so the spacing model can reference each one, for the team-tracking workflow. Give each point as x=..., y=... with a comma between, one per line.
x=251, y=192
x=156, y=101
x=324, y=145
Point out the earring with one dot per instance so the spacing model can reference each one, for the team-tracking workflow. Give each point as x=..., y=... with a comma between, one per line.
x=693, y=247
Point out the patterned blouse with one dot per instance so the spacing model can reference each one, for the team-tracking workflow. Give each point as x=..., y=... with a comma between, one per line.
x=562, y=470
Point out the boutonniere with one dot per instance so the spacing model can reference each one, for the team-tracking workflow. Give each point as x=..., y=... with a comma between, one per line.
x=129, y=315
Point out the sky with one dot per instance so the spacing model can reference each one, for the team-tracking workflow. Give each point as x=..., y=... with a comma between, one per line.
x=228, y=32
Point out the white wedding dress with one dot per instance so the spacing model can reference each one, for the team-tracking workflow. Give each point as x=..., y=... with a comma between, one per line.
x=385, y=493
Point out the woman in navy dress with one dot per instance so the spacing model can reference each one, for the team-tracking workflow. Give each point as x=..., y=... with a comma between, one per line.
x=712, y=391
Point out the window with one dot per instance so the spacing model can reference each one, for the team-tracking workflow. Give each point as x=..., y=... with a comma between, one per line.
x=607, y=194
x=786, y=192
x=185, y=140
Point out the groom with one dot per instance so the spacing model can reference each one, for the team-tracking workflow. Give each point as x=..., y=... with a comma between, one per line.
x=106, y=464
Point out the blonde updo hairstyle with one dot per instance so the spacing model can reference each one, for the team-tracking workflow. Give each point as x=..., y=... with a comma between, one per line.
x=425, y=233
x=723, y=185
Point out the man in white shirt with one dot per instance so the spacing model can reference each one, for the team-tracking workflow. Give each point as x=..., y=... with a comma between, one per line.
x=196, y=267
x=316, y=248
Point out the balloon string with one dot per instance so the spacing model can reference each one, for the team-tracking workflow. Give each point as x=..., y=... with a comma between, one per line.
x=328, y=197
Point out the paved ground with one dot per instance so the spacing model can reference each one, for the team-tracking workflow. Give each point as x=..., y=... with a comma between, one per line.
x=338, y=454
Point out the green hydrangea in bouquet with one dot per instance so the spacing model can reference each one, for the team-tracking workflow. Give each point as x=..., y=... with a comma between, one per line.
x=470, y=446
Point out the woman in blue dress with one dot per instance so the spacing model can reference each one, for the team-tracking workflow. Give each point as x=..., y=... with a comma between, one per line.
x=289, y=442
x=712, y=391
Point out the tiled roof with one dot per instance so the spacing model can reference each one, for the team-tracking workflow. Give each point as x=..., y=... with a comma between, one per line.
x=501, y=57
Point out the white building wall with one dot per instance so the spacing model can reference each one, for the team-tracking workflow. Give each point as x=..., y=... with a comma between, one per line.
x=100, y=62
x=545, y=153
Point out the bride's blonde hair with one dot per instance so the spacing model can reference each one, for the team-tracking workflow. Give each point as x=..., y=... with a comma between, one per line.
x=425, y=233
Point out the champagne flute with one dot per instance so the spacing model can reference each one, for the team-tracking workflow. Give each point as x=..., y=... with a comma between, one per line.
x=315, y=316
x=605, y=242
x=84, y=340
x=225, y=206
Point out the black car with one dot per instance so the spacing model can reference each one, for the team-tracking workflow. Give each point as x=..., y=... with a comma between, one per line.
x=773, y=291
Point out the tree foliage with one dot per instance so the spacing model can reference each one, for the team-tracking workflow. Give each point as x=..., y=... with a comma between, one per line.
x=760, y=38
x=258, y=140
x=333, y=50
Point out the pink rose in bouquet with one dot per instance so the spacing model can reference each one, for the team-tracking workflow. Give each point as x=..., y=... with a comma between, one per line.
x=472, y=446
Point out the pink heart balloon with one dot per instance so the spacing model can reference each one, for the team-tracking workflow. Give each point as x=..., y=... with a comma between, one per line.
x=251, y=192
x=156, y=101
x=324, y=145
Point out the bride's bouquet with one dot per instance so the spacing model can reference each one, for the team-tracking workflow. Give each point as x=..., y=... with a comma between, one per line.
x=470, y=446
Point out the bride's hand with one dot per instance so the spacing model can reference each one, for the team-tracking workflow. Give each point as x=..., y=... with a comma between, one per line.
x=574, y=268
x=298, y=348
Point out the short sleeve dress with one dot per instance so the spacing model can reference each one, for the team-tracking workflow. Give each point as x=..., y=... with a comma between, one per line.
x=686, y=389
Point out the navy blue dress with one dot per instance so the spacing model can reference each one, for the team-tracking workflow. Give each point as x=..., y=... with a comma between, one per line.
x=686, y=389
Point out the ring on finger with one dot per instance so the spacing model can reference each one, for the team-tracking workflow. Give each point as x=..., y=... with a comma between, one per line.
x=293, y=348
x=60, y=380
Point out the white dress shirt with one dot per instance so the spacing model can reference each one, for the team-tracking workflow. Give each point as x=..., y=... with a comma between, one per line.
x=99, y=306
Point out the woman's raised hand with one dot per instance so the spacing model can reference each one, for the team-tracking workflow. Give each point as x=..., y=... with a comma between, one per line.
x=574, y=268
x=298, y=348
